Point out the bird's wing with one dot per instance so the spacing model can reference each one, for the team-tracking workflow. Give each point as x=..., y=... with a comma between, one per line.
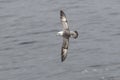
x=64, y=49
x=64, y=20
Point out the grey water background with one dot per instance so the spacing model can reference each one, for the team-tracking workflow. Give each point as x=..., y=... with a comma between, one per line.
x=30, y=49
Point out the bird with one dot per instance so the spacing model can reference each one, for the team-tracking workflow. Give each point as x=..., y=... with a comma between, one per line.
x=66, y=34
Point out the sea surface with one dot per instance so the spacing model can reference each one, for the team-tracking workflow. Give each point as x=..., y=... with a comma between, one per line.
x=30, y=49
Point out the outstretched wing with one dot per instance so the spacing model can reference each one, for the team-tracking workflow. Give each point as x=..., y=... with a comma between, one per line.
x=64, y=49
x=64, y=20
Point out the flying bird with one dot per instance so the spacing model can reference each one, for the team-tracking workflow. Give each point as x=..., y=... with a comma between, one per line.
x=66, y=34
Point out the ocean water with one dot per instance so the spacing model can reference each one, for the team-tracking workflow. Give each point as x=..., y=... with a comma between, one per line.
x=30, y=49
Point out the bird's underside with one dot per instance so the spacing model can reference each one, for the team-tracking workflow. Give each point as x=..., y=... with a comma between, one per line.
x=66, y=35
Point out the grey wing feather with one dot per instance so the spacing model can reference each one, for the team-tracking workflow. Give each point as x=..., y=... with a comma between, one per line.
x=64, y=20
x=64, y=49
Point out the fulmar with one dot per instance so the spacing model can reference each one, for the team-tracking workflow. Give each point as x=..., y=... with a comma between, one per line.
x=66, y=34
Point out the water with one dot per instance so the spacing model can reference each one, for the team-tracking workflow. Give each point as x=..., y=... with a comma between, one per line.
x=30, y=49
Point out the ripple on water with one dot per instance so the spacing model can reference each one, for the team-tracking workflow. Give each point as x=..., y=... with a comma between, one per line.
x=43, y=32
x=27, y=42
x=116, y=34
x=7, y=48
x=6, y=1
x=114, y=13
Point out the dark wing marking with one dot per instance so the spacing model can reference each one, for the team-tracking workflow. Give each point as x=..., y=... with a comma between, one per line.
x=63, y=20
x=64, y=49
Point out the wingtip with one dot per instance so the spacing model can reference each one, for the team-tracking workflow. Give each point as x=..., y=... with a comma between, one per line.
x=63, y=57
x=62, y=13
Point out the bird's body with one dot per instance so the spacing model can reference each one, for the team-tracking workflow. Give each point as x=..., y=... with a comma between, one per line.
x=66, y=34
